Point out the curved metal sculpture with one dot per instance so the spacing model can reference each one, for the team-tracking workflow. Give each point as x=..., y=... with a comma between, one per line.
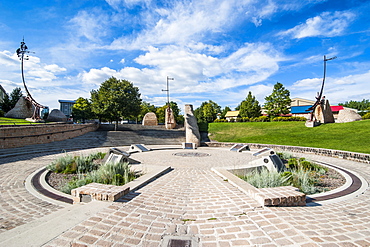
x=319, y=96
x=21, y=51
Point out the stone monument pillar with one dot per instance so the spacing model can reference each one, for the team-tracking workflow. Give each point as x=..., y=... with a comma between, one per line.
x=150, y=119
x=191, y=126
x=169, y=119
x=323, y=113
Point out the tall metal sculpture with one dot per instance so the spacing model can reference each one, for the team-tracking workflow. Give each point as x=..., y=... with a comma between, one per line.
x=21, y=52
x=320, y=97
x=168, y=110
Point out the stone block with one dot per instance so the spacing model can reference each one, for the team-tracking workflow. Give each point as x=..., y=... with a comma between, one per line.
x=150, y=119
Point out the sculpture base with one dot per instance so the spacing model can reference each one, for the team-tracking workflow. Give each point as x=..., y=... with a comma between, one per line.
x=312, y=124
x=35, y=120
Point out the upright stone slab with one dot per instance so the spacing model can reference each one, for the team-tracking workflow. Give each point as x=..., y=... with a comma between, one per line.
x=323, y=113
x=150, y=119
x=191, y=126
x=169, y=119
x=57, y=116
x=23, y=109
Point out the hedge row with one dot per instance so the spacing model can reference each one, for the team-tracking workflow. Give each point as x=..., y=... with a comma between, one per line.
x=261, y=119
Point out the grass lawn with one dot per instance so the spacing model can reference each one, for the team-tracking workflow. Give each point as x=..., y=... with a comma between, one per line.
x=354, y=136
x=13, y=121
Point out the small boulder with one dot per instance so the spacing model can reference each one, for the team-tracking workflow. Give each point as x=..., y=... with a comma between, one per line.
x=23, y=109
x=57, y=116
x=348, y=115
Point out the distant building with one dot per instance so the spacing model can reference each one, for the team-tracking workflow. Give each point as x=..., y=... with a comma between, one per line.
x=301, y=102
x=44, y=111
x=66, y=107
x=232, y=115
x=2, y=94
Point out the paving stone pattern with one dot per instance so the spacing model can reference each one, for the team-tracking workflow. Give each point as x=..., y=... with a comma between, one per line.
x=191, y=200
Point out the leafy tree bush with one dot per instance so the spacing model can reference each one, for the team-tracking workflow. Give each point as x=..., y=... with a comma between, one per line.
x=359, y=105
x=207, y=112
x=280, y=119
x=260, y=119
x=116, y=99
x=249, y=107
x=82, y=110
x=366, y=116
x=278, y=102
x=10, y=101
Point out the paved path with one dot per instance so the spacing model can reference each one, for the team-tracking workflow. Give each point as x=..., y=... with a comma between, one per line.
x=189, y=203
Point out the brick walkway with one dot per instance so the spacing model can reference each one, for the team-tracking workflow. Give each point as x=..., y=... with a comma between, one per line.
x=191, y=202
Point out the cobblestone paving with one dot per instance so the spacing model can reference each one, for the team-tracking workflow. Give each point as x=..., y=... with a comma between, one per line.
x=192, y=201
x=17, y=205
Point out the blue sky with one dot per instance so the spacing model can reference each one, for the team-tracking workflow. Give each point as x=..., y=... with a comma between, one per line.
x=214, y=49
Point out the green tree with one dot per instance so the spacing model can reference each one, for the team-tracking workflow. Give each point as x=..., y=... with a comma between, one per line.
x=81, y=110
x=249, y=107
x=15, y=96
x=116, y=99
x=359, y=105
x=224, y=111
x=10, y=101
x=278, y=102
x=146, y=107
x=207, y=112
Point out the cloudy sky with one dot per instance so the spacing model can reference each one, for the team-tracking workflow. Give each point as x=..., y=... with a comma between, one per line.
x=214, y=49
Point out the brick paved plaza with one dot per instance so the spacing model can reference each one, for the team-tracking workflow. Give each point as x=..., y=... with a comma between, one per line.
x=191, y=202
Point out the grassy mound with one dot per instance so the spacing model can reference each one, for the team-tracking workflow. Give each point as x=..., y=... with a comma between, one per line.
x=352, y=136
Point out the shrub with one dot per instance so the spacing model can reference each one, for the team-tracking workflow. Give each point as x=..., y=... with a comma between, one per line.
x=110, y=173
x=260, y=119
x=239, y=119
x=266, y=179
x=279, y=119
x=246, y=119
x=60, y=164
x=77, y=164
x=301, y=174
x=366, y=116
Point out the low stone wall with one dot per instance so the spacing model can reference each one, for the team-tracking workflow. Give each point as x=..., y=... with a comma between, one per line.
x=359, y=157
x=19, y=136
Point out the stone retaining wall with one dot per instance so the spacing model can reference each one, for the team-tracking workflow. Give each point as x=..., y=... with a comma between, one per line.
x=19, y=136
x=359, y=157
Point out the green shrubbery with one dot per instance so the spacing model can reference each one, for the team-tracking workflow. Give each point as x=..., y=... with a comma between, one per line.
x=88, y=170
x=280, y=119
x=75, y=164
x=299, y=173
x=110, y=173
x=261, y=119
x=366, y=116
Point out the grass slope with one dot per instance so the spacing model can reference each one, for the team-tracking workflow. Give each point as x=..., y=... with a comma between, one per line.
x=13, y=121
x=354, y=136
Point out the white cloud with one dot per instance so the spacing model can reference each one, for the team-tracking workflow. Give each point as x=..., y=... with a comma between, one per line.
x=337, y=90
x=54, y=68
x=328, y=24
x=92, y=25
x=183, y=23
x=194, y=73
x=307, y=84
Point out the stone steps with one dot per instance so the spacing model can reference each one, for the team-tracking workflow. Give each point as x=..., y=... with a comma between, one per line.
x=128, y=134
